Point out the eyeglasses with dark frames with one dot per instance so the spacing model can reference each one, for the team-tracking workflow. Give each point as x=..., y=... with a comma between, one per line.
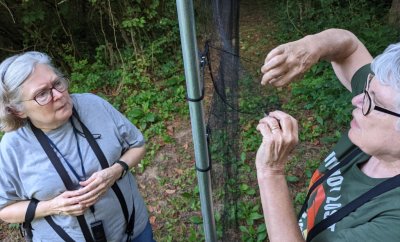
x=368, y=105
x=45, y=96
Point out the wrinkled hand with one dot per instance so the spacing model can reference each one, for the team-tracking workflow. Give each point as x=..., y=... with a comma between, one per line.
x=67, y=204
x=280, y=136
x=289, y=62
x=96, y=186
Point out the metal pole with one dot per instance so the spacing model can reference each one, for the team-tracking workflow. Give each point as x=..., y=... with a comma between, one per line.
x=192, y=74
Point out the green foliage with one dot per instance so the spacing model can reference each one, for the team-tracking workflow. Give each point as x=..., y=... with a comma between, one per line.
x=250, y=214
x=128, y=52
x=366, y=19
x=329, y=108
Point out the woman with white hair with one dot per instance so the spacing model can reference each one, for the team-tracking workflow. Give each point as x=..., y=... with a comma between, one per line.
x=65, y=159
x=354, y=195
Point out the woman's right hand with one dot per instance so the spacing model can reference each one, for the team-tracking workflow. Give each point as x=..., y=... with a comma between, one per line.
x=280, y=136
x=67, y=203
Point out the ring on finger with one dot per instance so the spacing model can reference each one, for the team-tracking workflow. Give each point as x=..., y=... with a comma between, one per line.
x=274, y=128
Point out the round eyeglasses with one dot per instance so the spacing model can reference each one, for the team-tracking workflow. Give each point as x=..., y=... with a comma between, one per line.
x=368, y=105
x=46, y=95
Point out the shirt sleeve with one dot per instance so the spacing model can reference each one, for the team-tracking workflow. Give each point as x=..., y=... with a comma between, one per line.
x=359, y=79
x=9, y=192
x=130, y=135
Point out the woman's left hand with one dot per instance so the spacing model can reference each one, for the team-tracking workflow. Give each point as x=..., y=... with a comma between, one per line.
x=280, y=136
x=96, y=186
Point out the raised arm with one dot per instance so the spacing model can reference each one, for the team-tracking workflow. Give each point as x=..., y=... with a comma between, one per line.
x=289, y=62
x=279, y=136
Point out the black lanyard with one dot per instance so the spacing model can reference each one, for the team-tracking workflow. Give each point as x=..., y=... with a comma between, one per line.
x=69, y=185
x=54, y=146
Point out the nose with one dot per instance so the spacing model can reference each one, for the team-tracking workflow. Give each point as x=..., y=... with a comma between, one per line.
x=358, y=100
x=56, y=94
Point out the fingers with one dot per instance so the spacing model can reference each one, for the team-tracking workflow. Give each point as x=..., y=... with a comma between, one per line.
x=279, y=122
x=76, y=202
x=264, y=129
x=280, y=135
x=276, y=51
x=87, y=182
x=286, y=121
x=73, y=210
x=271, y=123
x=288, y=62
x=91, y=200
x=273, y=63
x=66, y=204
x=273, y=69
x=97, y=185
x=288, y=124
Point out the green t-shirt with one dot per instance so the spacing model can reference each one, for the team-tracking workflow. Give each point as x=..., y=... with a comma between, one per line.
x=376, y=220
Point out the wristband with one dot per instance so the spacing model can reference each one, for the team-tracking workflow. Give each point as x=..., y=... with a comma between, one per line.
x=30, y=211
x=124, y=165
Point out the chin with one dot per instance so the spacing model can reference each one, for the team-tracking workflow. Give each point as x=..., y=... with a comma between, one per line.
x=355, y=138
x=352, y=136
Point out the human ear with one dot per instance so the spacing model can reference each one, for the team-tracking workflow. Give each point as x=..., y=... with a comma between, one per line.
x=16, y=112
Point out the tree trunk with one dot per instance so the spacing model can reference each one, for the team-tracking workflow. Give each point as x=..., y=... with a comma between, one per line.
x=394, y=13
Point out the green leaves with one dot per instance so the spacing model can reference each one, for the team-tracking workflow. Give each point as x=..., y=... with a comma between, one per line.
x=196, y=220
x=292, y=179
x=134, y=23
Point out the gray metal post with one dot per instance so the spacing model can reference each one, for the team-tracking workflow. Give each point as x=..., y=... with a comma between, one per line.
x=192, y=74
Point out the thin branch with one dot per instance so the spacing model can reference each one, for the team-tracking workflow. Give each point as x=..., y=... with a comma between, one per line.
x=291, y=20
x=16, y=51
x=8, y=9
x=121, y=84
x=115, y=36
x=63, y=27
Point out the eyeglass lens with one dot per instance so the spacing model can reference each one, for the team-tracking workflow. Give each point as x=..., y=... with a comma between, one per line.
x=45, y=96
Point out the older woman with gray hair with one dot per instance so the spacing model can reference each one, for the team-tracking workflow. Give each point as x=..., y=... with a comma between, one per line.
x=354, y=195
x=65, y=159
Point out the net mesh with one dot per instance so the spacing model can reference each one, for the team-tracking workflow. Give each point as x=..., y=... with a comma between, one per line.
x=237, y=103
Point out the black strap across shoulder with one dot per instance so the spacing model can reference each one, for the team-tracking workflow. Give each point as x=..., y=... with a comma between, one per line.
x=60, y=231
x=345, y=161
x=379, y=189
x=70, y=186
x=104, y=164
x=67, y=182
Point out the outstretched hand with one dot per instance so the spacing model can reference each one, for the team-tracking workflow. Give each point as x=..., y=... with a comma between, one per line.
x=288, y=62
x=280, y=136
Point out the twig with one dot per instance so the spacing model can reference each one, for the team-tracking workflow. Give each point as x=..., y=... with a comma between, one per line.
x=63, y=27
x=16, y=51
x=8, y=9
x=120, y=85
x=291, y=21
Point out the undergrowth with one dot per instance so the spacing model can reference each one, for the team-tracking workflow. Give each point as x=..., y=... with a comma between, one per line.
x=145, y=81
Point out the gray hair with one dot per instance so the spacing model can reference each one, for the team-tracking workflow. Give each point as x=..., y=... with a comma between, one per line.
x=13, y=73
x=386, y=68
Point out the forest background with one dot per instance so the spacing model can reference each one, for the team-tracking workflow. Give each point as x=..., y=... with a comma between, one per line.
x=129, y=53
